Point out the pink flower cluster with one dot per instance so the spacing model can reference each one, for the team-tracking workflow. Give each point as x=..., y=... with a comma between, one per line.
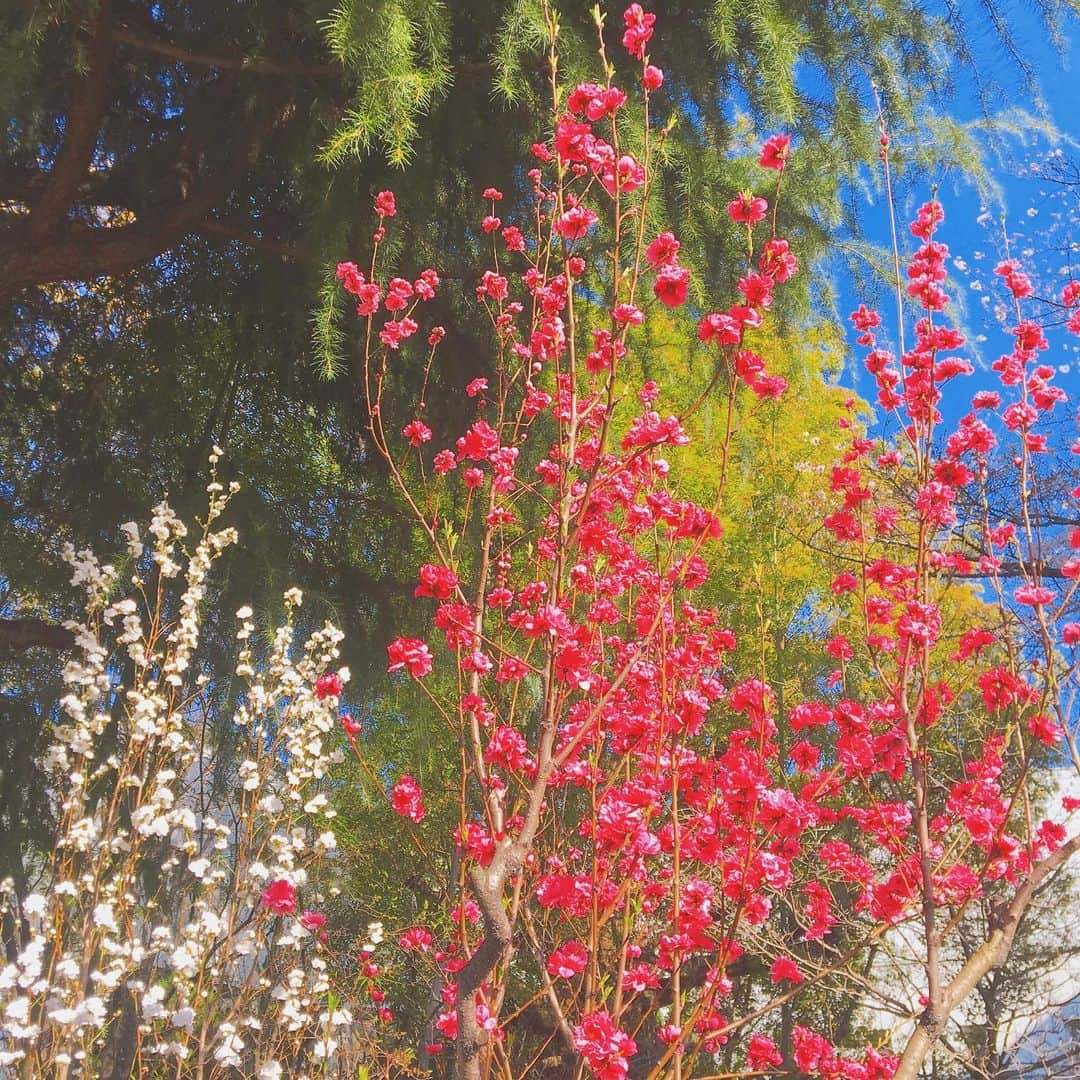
x=616, y=766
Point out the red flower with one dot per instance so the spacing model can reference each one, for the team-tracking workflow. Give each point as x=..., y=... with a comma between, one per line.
x=804, y=756
x=595, y=101
x=813, y=1052
x=929, y=216
x=280, y=897
x=663, y=250
x=570, y=137
x=417, y=432
x=508, y=749
x=784, y=969
x=652, y=77
x=416, y=939
x=328, y=685
x=747, y=209
x=444, y=462
x=385, y=204
x=575, y=222
x=426, y=284
x=720, y=327
x=407, y=799
x=602, y=1044
x=972, y=642
x=763, y=1054
x=769, y=387
x=492, y=285
x=777, y=261
x=775, y=152
x=1000, y=688
x=671, y=285
x=568, y=960
x=1045, y=729
x=1034, y=595
x=312, y=920
x=864, y=319
x=410, y=653
x=639, y=29
x=398, y=293
x=370, y=295
x=757, y=289
x=350, y=276
x=394, y=333
x=478, y=443
x=628, y=175
x=844, y=582
x=642, y=977
x=438, y=582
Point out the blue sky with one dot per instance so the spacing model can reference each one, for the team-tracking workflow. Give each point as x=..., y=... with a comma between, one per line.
x=1035, y=214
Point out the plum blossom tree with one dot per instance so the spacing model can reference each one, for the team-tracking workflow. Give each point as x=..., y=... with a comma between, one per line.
x=629, y=837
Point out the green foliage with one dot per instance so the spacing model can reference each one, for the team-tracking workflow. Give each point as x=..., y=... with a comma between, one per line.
x=521, y=43
x=327, y=336
x=397, y=52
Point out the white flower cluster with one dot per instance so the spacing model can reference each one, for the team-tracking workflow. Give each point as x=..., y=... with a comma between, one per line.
x=154, y=896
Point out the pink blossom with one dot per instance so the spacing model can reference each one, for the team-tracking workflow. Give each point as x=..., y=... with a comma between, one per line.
x=313, y=921
x=411, y=654
x=606, y=1049
x=328, y=685
x=416, y=938
x=747, y=209
x=436, y=581
x=417, y=432
x=671, y=285
x=385, y=204
x=784, y=969
x=574, y=223
x=408, y=800
x=280, y=897
x=639, y=29
x=775, y=152
x=568, y=960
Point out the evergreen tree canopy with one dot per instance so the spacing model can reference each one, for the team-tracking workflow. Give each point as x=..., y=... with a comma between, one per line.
x=176, y=178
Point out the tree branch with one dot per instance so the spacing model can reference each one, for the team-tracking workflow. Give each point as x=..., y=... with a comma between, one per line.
x=990, y=955
x=17, y=635
x=78, y=252
x=242, y=233
x=253, y=64
x=81, y=126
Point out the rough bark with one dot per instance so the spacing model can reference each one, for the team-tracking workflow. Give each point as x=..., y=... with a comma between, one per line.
x=54, y=240
x=17, y=635
x=88, y=98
